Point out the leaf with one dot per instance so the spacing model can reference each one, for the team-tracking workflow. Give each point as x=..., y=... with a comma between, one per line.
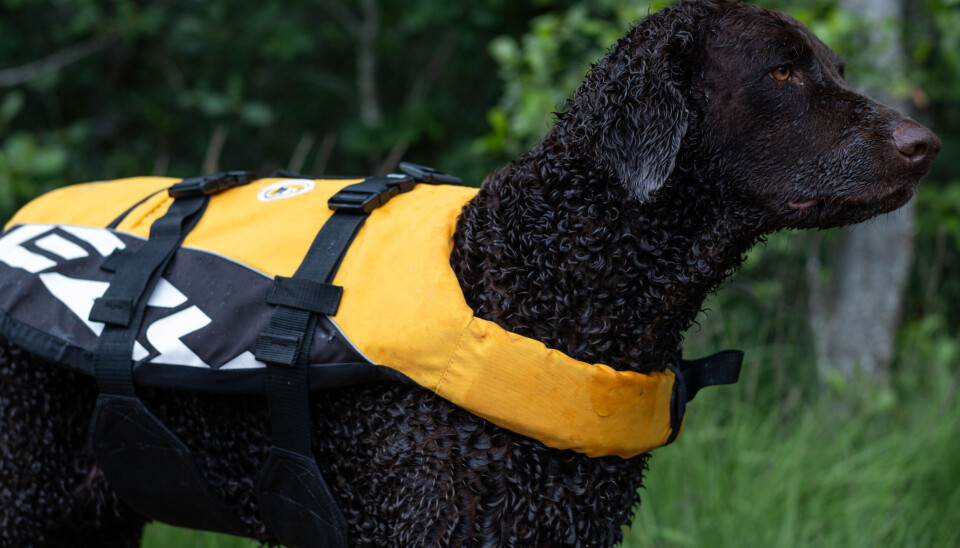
x=256, y=114
x=48, y=161
x=11, y=106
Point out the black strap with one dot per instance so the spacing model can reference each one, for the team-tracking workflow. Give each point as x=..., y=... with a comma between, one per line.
x=426, y=174
x=692, y=375
x=319, y=297
x=293, y=497
x=148, y=465
x=285, y=344
x=122, y=306
x=713, y=370
x=119, y=303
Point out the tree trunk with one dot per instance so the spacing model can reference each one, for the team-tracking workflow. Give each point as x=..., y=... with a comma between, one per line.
x=870, y=274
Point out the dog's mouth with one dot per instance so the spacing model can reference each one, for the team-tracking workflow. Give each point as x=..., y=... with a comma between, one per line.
x=839, y=210
x=885, y=197
x=805, y=204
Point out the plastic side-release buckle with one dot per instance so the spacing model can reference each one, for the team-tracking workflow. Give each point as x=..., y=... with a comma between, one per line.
x=210, y=184
x=370, y=194
x=426, y=174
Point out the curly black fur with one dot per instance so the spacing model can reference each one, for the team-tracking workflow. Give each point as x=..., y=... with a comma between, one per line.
x=676, y=155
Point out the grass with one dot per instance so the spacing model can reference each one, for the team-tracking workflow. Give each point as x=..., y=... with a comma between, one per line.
x=820, y=475
x=782, y=460
x=160, y=535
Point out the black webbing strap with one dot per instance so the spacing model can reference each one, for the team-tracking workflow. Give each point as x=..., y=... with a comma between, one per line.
x=713, y=370
x=285, y=344
x=145, y=462
x=322, y=298
x=118, y=305
x=692, y=375
x=294, y=500
x=122, y=306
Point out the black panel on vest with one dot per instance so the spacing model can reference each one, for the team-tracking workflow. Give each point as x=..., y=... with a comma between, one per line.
x=152, y=470
x=231, y=297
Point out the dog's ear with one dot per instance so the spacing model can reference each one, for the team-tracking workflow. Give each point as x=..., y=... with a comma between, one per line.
x=631, y=112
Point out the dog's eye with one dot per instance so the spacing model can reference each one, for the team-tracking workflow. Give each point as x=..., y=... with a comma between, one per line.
x=781, y=73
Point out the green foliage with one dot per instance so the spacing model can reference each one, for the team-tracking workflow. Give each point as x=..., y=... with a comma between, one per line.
x=935, y=287
x=159, y=535
x=155, y=85
x=781, y=460
x=544, y=67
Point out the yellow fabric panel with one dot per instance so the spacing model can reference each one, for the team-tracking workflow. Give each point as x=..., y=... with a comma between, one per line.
x=525, y=387
x=403, y=308
x=272, y=236
x=91, y=204
x=402, y=305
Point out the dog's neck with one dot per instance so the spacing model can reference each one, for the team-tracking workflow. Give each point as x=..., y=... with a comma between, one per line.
x=561, y=254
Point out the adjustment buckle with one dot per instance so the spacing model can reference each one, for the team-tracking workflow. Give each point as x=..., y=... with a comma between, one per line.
x=210, y=184
x=426, y=174
x=370, y=194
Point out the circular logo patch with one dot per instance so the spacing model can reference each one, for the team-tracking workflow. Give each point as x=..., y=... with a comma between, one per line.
x=288, y=188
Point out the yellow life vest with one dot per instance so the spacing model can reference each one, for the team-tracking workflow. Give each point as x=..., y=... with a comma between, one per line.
x=401, y=307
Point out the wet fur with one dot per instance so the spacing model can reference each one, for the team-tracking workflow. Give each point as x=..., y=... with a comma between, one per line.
x=673, y=158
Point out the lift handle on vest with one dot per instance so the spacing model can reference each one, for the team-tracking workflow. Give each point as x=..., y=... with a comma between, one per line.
x=210, y=184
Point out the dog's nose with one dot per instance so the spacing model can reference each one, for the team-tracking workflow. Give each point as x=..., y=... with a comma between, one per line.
x=915, y=142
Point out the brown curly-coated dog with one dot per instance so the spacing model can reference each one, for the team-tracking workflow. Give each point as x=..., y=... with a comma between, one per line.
x=708, y=125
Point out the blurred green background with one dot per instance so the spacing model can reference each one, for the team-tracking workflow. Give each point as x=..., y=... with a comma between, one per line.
x=801, y=453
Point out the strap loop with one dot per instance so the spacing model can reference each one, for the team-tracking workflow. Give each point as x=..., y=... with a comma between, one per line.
x=116, y=311
x=303, y=294
x=279, y=347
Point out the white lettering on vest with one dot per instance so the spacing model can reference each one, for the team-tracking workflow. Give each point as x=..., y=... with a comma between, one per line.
x=14, y=254
x=78, y=295
x=164, y=334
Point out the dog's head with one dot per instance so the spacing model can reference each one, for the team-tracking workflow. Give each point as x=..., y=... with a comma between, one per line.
x=750, y=101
